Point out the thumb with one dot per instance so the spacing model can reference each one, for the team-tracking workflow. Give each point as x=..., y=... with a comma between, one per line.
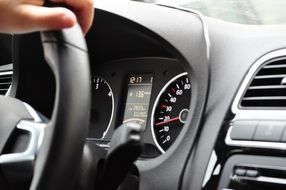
x=36, y=18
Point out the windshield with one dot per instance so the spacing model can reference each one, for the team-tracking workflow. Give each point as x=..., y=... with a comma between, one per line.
x=239, y=11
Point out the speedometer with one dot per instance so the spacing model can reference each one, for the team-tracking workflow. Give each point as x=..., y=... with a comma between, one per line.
x=171, y=110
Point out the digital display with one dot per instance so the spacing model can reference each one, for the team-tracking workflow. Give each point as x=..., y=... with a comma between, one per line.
x=138, y=97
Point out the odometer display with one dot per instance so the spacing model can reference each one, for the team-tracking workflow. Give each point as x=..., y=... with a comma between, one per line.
x=136, y=106
x=171, y=110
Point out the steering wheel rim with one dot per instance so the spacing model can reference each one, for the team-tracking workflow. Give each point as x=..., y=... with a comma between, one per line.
x=55, y=147
x=59, y=158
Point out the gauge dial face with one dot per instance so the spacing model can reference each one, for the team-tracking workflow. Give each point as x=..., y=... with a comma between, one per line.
x=102, y=108
x=171, y=111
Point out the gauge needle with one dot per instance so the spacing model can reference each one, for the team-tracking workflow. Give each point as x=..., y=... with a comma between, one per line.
x=168, y=121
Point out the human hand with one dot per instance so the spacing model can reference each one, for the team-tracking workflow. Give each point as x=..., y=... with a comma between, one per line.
x=23, y=16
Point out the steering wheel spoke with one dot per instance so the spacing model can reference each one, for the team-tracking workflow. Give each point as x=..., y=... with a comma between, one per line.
x=35, y=132
x=22, y=133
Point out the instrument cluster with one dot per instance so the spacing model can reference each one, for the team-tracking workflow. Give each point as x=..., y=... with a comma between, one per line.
x=152, y=92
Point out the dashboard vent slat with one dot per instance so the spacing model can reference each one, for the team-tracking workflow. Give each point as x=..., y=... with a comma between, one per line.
x=5, y=81
x=267, y=89
x=269, y=76
x=266, y=98
x=275, y=66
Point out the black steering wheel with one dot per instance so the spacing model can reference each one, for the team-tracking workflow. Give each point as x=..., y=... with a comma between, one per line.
x=54, y=148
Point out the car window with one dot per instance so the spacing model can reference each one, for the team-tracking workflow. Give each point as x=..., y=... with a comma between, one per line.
x=258, y=12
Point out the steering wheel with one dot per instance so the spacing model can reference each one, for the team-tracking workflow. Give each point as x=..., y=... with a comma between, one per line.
x=53, y=154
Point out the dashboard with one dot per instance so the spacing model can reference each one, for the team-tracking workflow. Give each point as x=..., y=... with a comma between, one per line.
x=209, y=95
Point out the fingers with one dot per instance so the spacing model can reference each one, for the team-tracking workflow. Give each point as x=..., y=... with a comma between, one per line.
x=22, y=16
x=42, y=18
x=83, y=9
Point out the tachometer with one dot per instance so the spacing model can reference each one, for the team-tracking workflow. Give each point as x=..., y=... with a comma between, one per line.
x=170, y=111
x=102, y=108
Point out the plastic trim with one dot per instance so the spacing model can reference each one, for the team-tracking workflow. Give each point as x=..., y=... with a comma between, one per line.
x=254, y=144
x=256, y=114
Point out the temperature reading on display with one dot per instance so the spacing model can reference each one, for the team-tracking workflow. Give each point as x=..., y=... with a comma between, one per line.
x=136, y=106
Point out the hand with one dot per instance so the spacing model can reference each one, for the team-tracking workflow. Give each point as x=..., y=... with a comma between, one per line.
x=23, y=16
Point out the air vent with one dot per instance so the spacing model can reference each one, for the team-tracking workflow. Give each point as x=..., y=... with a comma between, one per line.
x=5, y=81
x=268, y=87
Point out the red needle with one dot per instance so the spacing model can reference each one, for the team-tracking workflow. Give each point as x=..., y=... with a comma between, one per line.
x=168, y=121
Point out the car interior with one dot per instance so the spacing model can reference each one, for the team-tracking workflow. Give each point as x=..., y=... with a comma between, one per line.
x=154, y=97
